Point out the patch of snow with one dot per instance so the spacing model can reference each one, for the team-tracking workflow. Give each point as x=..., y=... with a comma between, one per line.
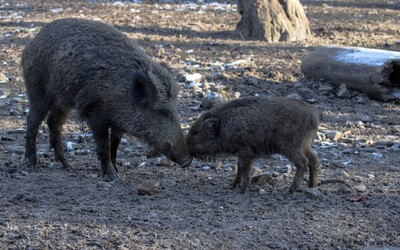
x=374, y=57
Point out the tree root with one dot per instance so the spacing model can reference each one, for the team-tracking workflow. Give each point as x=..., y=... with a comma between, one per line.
x=327, y=181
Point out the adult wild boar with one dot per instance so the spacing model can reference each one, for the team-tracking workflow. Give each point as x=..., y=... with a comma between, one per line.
x=115, y=86
x=257, y=126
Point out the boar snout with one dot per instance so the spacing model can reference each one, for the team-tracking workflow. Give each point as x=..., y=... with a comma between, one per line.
x=178, y=153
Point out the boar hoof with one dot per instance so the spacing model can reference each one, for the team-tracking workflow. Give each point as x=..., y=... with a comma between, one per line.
x=110, y=175
x=313, y=182
x=293, y=189
x=66, y=165
x=243, y=189
x=186, y=163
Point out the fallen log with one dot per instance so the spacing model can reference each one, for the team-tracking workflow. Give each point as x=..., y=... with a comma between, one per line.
x=371, y=71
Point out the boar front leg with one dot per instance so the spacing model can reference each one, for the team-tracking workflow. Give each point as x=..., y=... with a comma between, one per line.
x=102, y=137
x=243, y=173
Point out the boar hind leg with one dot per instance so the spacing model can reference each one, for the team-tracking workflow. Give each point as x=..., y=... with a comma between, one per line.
x=115, y=140
x=313, y=167
x=244, y=167
x=37, y=112
x=55, y=122
x=102, y=138
x=300, y=161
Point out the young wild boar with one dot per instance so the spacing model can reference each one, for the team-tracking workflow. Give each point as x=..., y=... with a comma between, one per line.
x=110, y=80
x=257, y=126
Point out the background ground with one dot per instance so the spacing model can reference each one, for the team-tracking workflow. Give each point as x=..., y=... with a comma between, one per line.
x=359, y=140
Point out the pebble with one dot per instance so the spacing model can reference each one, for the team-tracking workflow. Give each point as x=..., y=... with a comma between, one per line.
x=286, y=170
x=360, y=188
x=3, y=78
x=164, y=161
x=82, y=152
x=393, y=168
x=236, y=64
x=360, y=124
x=366, y=118
x=148, y=187
x=252, y=81
x=321, y=136
x=4, y=93
x=384, y=143
x=295, y=96
x=141, y=165
x=19, y=150
x=6, y=138
x=104, y=185
x=325, y=89
x=377, y=155
x=363, y=141
x=312, y=193
x=343, y=174
x=333, y=135
x=70, y=146
x=358, y=178
x=210, y=100
x=256, y=171
x=196, y=77
x=206, y=167
x=228, y=169
x=3, y=103
x=263, y=179
x=343, y=91
x=17, y=131
x=343, y=190
x=371, y=176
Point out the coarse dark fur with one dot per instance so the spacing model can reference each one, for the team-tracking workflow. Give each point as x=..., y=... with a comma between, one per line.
x=253, y=127
x=110, y=80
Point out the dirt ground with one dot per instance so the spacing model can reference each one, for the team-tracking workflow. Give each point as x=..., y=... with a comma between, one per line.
x=195, y=208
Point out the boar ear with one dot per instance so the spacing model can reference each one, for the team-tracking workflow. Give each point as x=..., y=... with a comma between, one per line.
x=144, y=91
x=212, y=125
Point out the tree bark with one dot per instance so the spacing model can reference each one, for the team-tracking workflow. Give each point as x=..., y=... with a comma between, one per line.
x=273, y=20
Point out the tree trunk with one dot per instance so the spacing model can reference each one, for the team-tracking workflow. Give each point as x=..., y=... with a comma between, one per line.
x=273, y=20
x=374, y=72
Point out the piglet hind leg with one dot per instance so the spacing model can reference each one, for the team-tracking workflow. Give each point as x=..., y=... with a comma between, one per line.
x=313, y=167
x=297, y=157
x=55, y=121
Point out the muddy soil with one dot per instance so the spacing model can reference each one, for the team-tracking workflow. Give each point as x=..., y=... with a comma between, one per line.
x=195, y=208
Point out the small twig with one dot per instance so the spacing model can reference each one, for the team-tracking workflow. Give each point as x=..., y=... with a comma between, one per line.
x=327, y=181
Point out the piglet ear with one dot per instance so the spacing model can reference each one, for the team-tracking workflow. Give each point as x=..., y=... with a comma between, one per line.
x=212, y=125
x=144, y=91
